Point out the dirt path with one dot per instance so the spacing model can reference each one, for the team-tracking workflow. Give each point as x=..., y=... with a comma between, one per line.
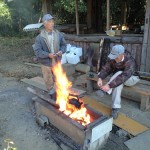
x=16, y=110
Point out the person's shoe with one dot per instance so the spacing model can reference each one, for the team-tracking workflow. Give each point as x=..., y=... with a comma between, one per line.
x=114, y=113
x=52, y=94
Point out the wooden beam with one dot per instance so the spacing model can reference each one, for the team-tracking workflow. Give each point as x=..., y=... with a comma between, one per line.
x=77, y=17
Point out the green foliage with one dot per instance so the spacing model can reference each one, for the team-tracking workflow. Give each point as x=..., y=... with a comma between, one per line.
x=65, y=11
x=136, y=13
x=19, y=13
x=115, y=11
x=69, y=6
x=5, y=16
x=9, y=142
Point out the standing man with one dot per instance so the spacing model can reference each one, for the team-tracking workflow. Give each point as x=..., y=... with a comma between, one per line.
x=122, y=65
x=48, y=48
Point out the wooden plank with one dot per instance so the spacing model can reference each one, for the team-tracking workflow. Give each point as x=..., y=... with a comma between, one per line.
x=127, y=124
x=39, y=83
x=35, y=82
x=145, y=82
x=32, y=64
x=142, y=89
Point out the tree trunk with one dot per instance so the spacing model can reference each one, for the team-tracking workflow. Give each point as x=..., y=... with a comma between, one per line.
x=47, y=6
x=44, y=6
x=123, y=12
x=89, y=13
x=108, y=15
x=77, y=17
x=96, y=14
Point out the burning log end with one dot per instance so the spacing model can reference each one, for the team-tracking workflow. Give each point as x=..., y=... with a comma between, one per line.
x=75, y=102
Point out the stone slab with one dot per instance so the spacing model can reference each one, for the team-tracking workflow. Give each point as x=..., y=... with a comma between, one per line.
x=140, y=142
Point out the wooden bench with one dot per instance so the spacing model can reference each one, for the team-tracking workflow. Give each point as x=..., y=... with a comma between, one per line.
x=143, y=88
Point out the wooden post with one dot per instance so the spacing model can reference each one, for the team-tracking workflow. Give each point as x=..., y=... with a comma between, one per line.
x=77, y=17
x=145, y=58
x=108, y=15
x=145, y=102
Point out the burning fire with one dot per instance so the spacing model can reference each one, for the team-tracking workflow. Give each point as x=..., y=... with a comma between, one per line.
x=63, y=91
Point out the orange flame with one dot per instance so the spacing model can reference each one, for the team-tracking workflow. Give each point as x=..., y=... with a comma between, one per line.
x=63, y=86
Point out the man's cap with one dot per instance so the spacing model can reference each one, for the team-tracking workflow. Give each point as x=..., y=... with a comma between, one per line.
x=47, y=17
x=116, y=51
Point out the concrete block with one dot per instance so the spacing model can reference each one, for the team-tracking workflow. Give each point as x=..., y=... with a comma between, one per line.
x=69, y=69
x=122, y=133
x=42, y=120
x=99, y=143
x=82, y=68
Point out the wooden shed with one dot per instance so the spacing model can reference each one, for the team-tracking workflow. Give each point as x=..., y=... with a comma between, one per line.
x=138, y=45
